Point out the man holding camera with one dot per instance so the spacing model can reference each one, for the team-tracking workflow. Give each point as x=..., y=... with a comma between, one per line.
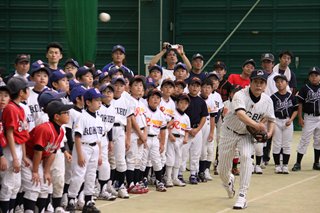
x=169, y=53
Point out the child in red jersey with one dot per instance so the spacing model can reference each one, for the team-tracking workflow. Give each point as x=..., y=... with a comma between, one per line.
x=4, y=100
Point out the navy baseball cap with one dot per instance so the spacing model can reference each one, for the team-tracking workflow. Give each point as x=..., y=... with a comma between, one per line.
x=56, y=107
x=73, y=83
x=92, y=93
x=167, y=81
x=179, y=65
x=48, y=95
x=57, y=75
x=83, y=71
x=76, y=92
x=259, y=74
x=114, y=80
x=106, y=86
x=71, y=61
x=154, y=92
x=280, y=76
x=195, y=80
x=113, y=70
x=39, y=65
x=197, y=55
x=315, y=70
x=249, y=61
x=119, y=47
x=150, y=83
x=155, y=67
x=139, y=78
x=213, y=73
x=102, y=76
x=183, y=97
x=220, y=64
x=15, y=84
x=22, y=58
x=97, y=73
x=267, y=56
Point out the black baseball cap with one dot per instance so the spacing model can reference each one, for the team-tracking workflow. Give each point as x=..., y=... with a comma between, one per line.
x=15, y=84
x=267, y=56
x=71, y=61
x=22, y=58
x=197, y=55
x=215, y=74
x=183, y=96
x=167, y=81
x=106, y=86
x=259, y=74
x=118, y=47
x=195, y=80
x=154, y=92
x=280, y=76
x=249, y=61
x=220, y=64
x=56, y=107
x=315, y=70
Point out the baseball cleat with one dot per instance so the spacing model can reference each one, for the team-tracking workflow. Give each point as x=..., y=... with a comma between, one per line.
x=90, y=208
x=241, y=202
x=202, y=177
x=123, y=193
x=316, y=166
x=160, y=187
x=193, y=179
x=207, y=175
x=230, y=187
x=285, y=169
x=169, y=182
x=178, y=182
x=180, y=177
x=296, y=167
x=71, y=207
x=258, y=170
x=278, y=169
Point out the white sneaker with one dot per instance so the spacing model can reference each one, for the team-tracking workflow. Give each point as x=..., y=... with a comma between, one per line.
x=178, y=182
x=258, y=170
x=111, y=189
x=262, y=165
x=60, y=210
x=169, y=182
x=96, y=192
x=64, y=200
x=230, y=187
x=207, y=175
x=19, y=209
x=50, y=209
x=278, y=169
x=104, y=195
x=122, y=192
x=285, y=169
x=241, y=202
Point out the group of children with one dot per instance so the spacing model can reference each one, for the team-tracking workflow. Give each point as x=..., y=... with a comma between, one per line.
x=67, y=139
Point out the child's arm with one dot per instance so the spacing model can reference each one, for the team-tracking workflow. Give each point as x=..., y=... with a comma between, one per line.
x=186, y=137
x=37, y=156
x=162, y=139
x=293, y=116
x=195, y=131
x=136, y=128
x=81, y=160
x=3, y=161
x=128, y=133
x=212, y=126
x=46, y=168
x=100, y=156
x=301, y=122
x=10, y=139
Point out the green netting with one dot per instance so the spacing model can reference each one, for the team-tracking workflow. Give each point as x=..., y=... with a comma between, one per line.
x=81, y=28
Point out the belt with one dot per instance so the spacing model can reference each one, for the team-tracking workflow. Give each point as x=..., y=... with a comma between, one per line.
x=236, y=132
x=177, y=135
x=195, y=125
x=142, y=128
x=90, y=144
x=314, y=114
x=151, y=136
x=117, y=124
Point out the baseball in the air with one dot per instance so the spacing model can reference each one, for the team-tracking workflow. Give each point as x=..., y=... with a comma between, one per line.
x=104, y=17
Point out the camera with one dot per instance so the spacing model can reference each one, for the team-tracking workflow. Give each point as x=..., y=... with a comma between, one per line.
x=172, y=46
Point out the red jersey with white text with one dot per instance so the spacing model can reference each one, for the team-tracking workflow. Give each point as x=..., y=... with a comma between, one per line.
x=46, y=136
x=13, y=116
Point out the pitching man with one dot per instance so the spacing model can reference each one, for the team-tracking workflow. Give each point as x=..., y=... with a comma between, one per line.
x=249, y=107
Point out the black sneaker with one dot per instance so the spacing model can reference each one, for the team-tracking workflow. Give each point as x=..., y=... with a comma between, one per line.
x=193, y=179
x=316, y=166
x=180, y=177
x=90, y=208
x=202, y=177
x=296, y=167
x=71, y=207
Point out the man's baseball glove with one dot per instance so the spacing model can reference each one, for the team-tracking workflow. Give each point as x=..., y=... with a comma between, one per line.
x=260, y=136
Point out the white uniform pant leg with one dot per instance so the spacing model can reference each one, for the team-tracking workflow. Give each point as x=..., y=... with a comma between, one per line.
x=145, y=155
x=170, y=154
x=287, y=136
x=310, y=124
x=78, y=173
x=68, y=172
x=195, y=152
x=31, y=191
x=163, y=154
x=277, y=136
x=119, y=148
x=227, y=146
x=185, y=154
x=258, y=149
x=104, y=168
x=245, y=147
x=10, y=181
x=140, y=148
x=155, y=156
x=131, y=154
x=91, y=172
x=205, y=144
x=178, y=152
x=57, y=174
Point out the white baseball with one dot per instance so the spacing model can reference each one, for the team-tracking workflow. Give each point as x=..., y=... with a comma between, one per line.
x=104, y=17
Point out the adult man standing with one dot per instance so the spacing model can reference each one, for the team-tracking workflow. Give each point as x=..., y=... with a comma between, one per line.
x=22, y=66
x=250, y=106
x=243, y=79
x=169, y=53
x=54, y=55
x=283, y=69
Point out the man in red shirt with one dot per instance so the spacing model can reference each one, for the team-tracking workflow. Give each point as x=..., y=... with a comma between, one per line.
x=44, y=142
x=243, y=79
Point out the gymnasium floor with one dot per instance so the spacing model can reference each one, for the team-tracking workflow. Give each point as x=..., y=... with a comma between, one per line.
x=296, y=192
